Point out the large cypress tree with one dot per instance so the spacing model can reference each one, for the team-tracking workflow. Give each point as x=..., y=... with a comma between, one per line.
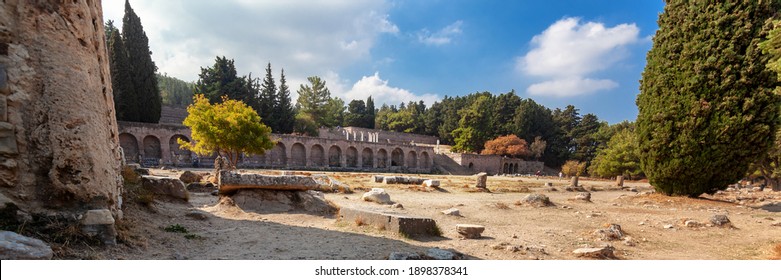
x=142, y=68
x=369, y=118
x=286, y=114
x=706, y=104
x=267, y=101
x=125, y=97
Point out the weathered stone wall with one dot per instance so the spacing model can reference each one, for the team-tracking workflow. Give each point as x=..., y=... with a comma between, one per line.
x=494, y=164
x=376, y=136
x=58, y=135
x=291, y=152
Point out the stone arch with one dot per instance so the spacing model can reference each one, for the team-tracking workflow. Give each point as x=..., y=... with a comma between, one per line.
x=424, y=159
x=367, y=157
x=317, y=155
x=129, y=146
x=397, y=157
x=471, y=166
x=382, y=158
x=412, y=159
x=298, y=155
x=278, y=156
x=152, y=147
x=179, y=156
x=515, y=168
x=334, y=156
x=352, y=157
x=506, y=168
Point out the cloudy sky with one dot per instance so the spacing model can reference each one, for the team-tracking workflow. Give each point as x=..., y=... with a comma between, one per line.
x=586, y=53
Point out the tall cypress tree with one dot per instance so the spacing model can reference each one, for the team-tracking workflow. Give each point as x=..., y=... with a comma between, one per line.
x=706, y=103
x=142, y=68
x=369, y=119
x=287, y=115
x=125, y=97
x=267, y=107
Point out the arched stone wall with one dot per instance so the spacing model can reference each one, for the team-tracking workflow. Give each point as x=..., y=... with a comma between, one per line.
x=382, y=159
x=277, y=156
x=352, y=157
x=334, y=156
x=397, y=157
x=412, y=160
x=129, y=146
x=317, y=156
x=298, y=155
x=152, y=147
x=424, y=161
x=367, y=156
x=179, y=156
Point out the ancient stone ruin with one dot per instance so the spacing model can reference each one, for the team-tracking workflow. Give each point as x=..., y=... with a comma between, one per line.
x=59, y=150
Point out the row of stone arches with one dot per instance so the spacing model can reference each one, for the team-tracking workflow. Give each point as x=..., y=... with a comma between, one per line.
x=151, y=149
x=510, y=168
x=367, y=158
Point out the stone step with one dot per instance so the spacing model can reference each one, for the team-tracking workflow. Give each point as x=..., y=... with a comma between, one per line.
x=391, y=221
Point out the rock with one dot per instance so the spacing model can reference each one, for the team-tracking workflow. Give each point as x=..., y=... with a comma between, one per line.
x=4, y=200
x=99, y=223
x=605, y=252
x=537, y=200
x=720, y=221
x=612, y=232
x=211, y=179
x=164, y=186
x=470, y=231
x=378, y=179
x=574, y=181
x=551, y=190
x=452, y=212
x=232, y=181
x=190, y=177
x=18, y=247
x=620, y=181
x=402, y=180
x=431, y=183
x=575, y=189
x=377, y=195
x=500, y=246
x=403, y=256
x=198, y=215
x=776, y=224
x=628, y=241
x=482, y=179
x=549, y=184
x=583, y=196
x=202, y=187
x=632, y=189
x=668, y=226
x=692, y=224
x=439, y=254
x=271, y=201
x=397, y=206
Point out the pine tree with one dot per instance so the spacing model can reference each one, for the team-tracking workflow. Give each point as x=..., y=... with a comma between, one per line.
x=313, y=100
x=267, y=101
x=706, y=104
x=286, y=113
x=125, y=97
x=142, y=68
x=222, y=79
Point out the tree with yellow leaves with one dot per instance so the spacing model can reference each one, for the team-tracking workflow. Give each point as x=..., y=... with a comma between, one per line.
x=230, y=128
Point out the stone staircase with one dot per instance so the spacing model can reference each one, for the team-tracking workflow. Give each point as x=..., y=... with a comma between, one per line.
x=447, y=165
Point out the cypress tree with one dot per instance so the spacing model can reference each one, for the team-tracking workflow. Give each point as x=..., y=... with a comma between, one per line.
x=706, y=103
x=142, y=68
x=369, y=121
x=267, y=107
x=125, y=97
x=287, y=116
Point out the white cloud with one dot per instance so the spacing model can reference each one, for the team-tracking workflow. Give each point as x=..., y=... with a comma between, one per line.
x=568, y=51
x=442, y=37
x=568, y=87
x=381, y=92
x=306, y=38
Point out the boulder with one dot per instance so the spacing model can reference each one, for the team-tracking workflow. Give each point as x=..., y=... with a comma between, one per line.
x=692, y=224
x=18, y=247
x=482, y=179
x=377, y=195
x=583, y=196
x=439, y=254
x=201, y=187
x=232, y=181
x=272, y=201
x=378, y=178
x=605, y=252
x=99, y=223
x=611, y=233
x=164, y=186
x=452, y=212
x=190, y=177
x=537, y=200
x=431, y=183
x=403, y=256
x=720, y=221
x=470, y=231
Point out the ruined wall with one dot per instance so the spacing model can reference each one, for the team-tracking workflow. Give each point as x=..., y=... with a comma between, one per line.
x=376, y=135
x=494, y=164
x=58, y=135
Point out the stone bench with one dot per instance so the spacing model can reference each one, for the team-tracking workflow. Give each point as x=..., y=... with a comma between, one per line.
x=395, y=222
x=231, y=181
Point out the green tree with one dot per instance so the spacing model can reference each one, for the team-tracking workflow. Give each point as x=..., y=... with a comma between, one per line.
x=142, y=68
x=230, y=128
x=706, y=105
x=222, y=80
x=470, y=136
x=315, y=104
x=334, y=113
x=356, y=114
x=125, y=97
x=267, y=100
x=175, y=92
x=620, y=157
x=368, y=121
x=284, y=113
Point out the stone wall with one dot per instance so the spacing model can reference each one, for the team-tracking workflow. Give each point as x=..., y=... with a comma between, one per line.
x=157, y=142
x=58, y=135
x=494, y=164
x=376, y=136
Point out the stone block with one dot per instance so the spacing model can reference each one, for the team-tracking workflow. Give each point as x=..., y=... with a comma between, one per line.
x=378, y=178
x=98, y=217
x=410, y=226
x=170, y=187
x=7, y=139
x=605, y=252
x=482, y=179
x=5, y=88
x=99, y=223
x=377, y=195
x=470, y=231
x=431, y=183
x=18, y=247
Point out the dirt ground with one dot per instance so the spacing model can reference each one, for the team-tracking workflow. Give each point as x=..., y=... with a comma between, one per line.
x=653, y=223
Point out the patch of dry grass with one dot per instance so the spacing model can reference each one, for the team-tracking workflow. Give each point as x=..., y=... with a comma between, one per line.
x=502, y=205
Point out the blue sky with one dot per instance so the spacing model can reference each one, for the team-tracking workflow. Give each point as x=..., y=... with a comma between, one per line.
x=586, y=53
